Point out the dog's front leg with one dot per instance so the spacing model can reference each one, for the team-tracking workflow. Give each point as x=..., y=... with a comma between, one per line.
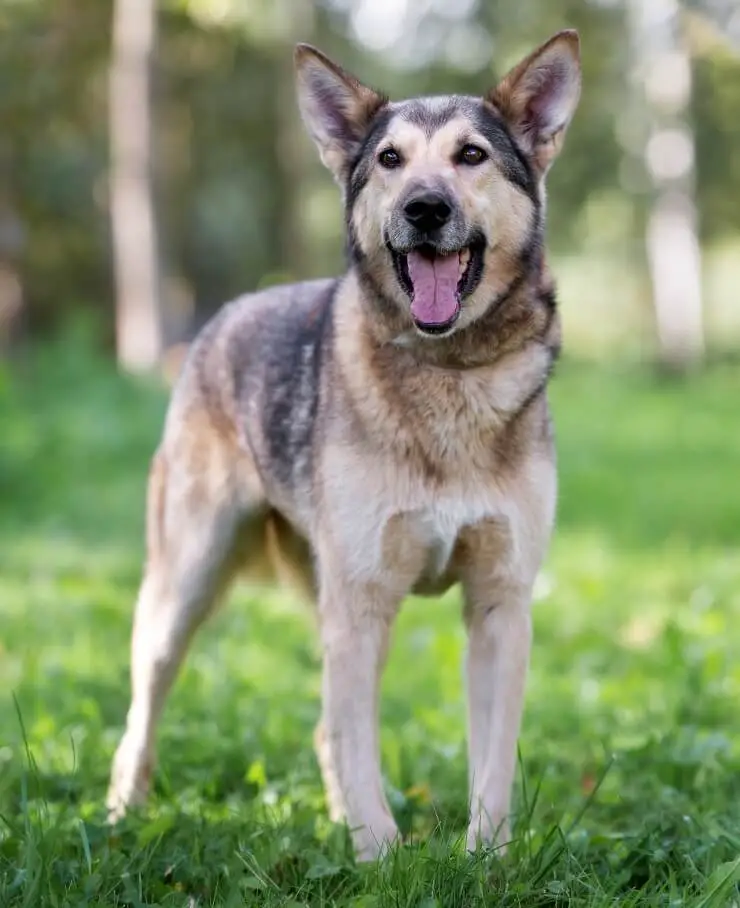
x=354, y=629
x=503, y=557
x=497, y=584
x=497, y=659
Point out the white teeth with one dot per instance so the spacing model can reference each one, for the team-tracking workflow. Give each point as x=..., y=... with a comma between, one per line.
x=464, y=261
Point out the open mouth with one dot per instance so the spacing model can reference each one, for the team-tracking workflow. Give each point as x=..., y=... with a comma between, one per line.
x=437, y=283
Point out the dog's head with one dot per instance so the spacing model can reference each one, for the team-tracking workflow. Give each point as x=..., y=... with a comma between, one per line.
x=444, y=195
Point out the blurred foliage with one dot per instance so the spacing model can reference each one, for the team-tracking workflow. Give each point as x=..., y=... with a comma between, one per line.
x=717, y=129
x=241, y=194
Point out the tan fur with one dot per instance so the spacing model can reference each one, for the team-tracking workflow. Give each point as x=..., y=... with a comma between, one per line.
x=432, y=464
x=487, y=198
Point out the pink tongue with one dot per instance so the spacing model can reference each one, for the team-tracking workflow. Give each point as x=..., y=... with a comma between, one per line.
x=435, y=287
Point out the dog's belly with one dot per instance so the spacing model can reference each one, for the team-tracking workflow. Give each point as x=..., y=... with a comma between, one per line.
x=434, y=584
x=439, y=531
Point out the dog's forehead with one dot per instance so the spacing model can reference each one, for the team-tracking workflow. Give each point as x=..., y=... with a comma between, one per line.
x=431, y=114
x=440, y=123
x=436, y=126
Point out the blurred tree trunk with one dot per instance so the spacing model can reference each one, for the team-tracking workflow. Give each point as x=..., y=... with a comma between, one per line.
x=293, y=165
x=133, y=217
x=292, y=168
x=12, y=241
x=662, y=72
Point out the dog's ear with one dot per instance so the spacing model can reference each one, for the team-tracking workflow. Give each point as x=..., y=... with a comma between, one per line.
x=336, y=107
x=539, y=96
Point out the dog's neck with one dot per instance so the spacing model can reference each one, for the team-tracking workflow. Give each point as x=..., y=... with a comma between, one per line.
x=525, y=312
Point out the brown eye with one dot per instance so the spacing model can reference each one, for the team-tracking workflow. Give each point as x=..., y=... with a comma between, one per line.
x=472, y=155
x=389, y=158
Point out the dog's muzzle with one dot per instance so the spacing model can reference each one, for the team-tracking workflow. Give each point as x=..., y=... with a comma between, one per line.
x=437, y=258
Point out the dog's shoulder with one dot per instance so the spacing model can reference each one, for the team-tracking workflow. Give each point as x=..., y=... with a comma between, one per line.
x=255, y=330
x=272, y=330
x=256, y=352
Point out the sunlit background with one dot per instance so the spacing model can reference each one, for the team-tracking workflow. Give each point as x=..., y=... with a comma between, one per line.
x=644, y=221
x=152, y=166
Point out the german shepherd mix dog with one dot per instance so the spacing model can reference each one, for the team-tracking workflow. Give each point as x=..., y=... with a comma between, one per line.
x=380, y=434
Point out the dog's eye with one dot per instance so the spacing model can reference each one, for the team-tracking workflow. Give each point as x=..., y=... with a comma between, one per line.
x=471, y=154
x=389, y=158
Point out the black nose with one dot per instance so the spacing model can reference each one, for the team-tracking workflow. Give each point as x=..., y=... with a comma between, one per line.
x=427, y=211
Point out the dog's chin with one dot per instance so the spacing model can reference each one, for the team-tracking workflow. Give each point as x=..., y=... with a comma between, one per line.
x=471, y=259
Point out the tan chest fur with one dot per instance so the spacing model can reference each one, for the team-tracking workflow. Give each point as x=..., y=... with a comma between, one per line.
x=427, y=469
x=416, y=454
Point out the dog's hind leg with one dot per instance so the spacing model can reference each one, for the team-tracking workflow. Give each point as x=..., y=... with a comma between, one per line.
x=195, y=530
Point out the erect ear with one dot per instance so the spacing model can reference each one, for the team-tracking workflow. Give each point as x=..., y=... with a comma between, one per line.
x=539, y=96
x=336, y=108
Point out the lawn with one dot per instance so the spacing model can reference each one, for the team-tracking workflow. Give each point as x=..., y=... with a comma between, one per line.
x=629, y=784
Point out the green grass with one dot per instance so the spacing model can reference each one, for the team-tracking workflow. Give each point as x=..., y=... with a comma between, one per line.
x=629, y=790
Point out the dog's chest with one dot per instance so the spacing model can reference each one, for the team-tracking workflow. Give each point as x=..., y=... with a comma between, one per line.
x=419, y=543
x=390, y=527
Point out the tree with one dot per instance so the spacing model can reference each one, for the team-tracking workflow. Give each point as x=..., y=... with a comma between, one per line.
x=133, y=215
x=662, y=77
x=12, y=240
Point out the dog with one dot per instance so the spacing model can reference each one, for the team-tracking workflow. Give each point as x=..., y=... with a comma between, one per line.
x=380, y=434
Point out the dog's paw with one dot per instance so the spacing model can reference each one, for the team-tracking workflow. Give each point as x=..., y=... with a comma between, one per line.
x=491, y=832
x=373, y=842
x=129, y=783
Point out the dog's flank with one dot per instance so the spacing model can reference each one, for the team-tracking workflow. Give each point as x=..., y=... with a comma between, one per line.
x=383, y=433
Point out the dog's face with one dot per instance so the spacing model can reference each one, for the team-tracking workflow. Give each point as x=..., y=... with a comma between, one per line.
x=444, y=195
